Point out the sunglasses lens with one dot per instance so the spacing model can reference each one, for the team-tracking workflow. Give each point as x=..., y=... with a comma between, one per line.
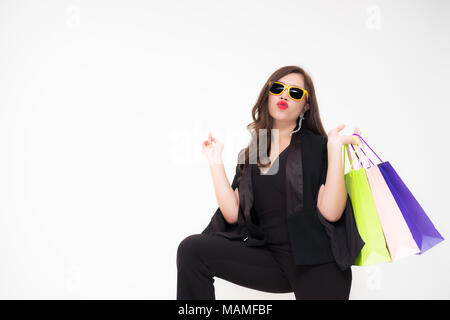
x=276, y=88
x=296, y=93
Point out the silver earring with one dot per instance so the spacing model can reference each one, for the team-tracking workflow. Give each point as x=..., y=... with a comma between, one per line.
x=300, y=119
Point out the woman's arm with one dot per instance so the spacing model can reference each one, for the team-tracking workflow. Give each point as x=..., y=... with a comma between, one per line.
x=332, y=196
x=227, y=198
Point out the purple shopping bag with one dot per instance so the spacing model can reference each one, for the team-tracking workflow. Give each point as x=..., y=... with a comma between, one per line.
x=422, y=229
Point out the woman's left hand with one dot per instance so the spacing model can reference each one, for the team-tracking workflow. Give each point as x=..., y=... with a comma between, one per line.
x=336, y=140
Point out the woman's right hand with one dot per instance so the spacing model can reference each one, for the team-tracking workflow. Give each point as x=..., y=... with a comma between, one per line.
x=227, y=199
x=212, y=149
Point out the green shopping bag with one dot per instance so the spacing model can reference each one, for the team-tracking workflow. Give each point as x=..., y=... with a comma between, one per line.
x=366, y=216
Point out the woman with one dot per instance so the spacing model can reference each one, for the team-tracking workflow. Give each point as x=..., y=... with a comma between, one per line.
x=286, y=222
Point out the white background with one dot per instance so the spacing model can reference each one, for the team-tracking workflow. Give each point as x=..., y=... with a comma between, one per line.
x=104, y=106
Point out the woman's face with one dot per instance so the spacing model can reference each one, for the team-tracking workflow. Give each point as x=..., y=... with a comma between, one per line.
x=294, y=108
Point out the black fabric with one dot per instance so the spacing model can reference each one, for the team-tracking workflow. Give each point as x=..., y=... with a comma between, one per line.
x=237, y=174
x=323, y=175
x=201, y=257
x=346, y=242
x=313, y=239
x=270, y=200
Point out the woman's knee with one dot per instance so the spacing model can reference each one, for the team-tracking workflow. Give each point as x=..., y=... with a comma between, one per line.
x=188, y=249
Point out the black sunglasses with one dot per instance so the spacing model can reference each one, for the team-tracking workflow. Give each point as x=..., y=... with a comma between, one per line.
x=296, y=93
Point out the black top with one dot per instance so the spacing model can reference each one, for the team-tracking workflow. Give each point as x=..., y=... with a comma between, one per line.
x=270, y=200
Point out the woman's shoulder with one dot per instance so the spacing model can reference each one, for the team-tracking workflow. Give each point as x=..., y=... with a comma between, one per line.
x=316, y=137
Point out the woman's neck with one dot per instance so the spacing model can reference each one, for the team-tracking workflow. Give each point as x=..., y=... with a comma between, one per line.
x=284, y=131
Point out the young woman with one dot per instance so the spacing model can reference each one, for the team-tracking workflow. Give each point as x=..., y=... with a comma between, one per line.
x=286, y=222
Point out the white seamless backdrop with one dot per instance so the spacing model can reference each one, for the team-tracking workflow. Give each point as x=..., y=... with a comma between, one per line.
x=104, y=106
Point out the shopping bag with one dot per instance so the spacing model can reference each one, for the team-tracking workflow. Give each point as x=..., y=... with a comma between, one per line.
x=399, y=239
x=366, y=216
x=422, y=229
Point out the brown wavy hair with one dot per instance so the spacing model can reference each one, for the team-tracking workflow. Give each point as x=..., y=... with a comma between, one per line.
x=263, y=120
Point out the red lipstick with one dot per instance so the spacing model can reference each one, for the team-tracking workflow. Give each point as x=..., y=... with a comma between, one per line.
x=282, y=105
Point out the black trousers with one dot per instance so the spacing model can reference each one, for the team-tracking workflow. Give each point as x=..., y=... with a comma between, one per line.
x=268, y=268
